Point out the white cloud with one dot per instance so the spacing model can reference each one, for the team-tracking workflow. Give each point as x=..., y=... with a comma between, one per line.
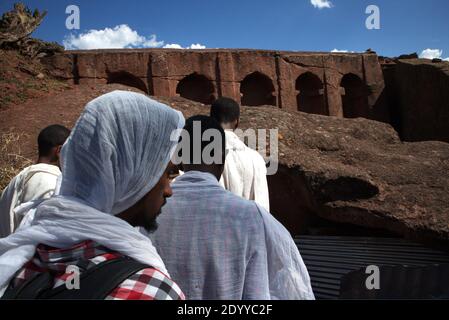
x=119, y=37
x=433, y=54
x=196, y=46
x=342, y=51
x=152, y=42
x=172, y=46
x=178, y=46
x=321, y=4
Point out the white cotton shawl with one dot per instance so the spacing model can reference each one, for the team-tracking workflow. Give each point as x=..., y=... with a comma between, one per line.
x=217, y=245
x=244, y=172
x=116, y=154
x=34, y=183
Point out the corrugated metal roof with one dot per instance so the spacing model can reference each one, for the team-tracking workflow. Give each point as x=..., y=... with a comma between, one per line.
x=330, y=259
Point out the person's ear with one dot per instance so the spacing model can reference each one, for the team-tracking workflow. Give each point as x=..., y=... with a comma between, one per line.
x=57, y=152
x=237, y=124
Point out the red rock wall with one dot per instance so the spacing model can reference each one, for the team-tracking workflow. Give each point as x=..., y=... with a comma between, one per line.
x=227, y=70
x=418, y=96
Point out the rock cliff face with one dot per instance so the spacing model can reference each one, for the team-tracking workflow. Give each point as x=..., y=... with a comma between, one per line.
x=334, y=172
x=341, y=85
x=351, y=171
x=336, y=176
x=411, y=94
x=418, y=93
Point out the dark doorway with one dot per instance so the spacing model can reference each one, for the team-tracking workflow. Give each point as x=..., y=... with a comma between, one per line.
x=355, y=97
x=257, y=89
x=197, y=88
x=311, y=98
x=127, y=79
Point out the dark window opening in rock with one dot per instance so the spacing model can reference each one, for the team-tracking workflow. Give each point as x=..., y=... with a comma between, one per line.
x=127, y=79
x=257, y=89
x=354, y=96
x=197, y=88
x=310, y=98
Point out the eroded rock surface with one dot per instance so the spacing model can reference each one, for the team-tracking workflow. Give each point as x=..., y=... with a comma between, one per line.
x=354, y=171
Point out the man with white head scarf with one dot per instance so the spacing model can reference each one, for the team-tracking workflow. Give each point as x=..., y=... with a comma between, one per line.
x=115, y=176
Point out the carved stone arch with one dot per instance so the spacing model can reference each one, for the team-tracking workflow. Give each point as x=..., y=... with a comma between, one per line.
x=196, y=87
x=311, y=98
x=127, y=79
x=354, y=96
x=257, y=89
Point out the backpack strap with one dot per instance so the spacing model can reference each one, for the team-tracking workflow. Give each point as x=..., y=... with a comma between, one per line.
x=99, y=281
x=95, y=283
x=31, y=288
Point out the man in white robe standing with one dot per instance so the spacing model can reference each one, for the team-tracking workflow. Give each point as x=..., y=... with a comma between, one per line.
x=217, y=245
x=36, y=182
x=245, y=173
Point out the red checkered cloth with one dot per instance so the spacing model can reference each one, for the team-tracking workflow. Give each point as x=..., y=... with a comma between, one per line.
x=146, y=284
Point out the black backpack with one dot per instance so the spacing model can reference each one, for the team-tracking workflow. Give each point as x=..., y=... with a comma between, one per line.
x=95, y=283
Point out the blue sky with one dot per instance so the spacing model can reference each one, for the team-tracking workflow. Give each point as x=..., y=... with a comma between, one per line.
x=406, y=26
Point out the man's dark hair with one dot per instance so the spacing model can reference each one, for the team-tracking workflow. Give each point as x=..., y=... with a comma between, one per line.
x=50, y=137
x=206, y=123
x=225, y=110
